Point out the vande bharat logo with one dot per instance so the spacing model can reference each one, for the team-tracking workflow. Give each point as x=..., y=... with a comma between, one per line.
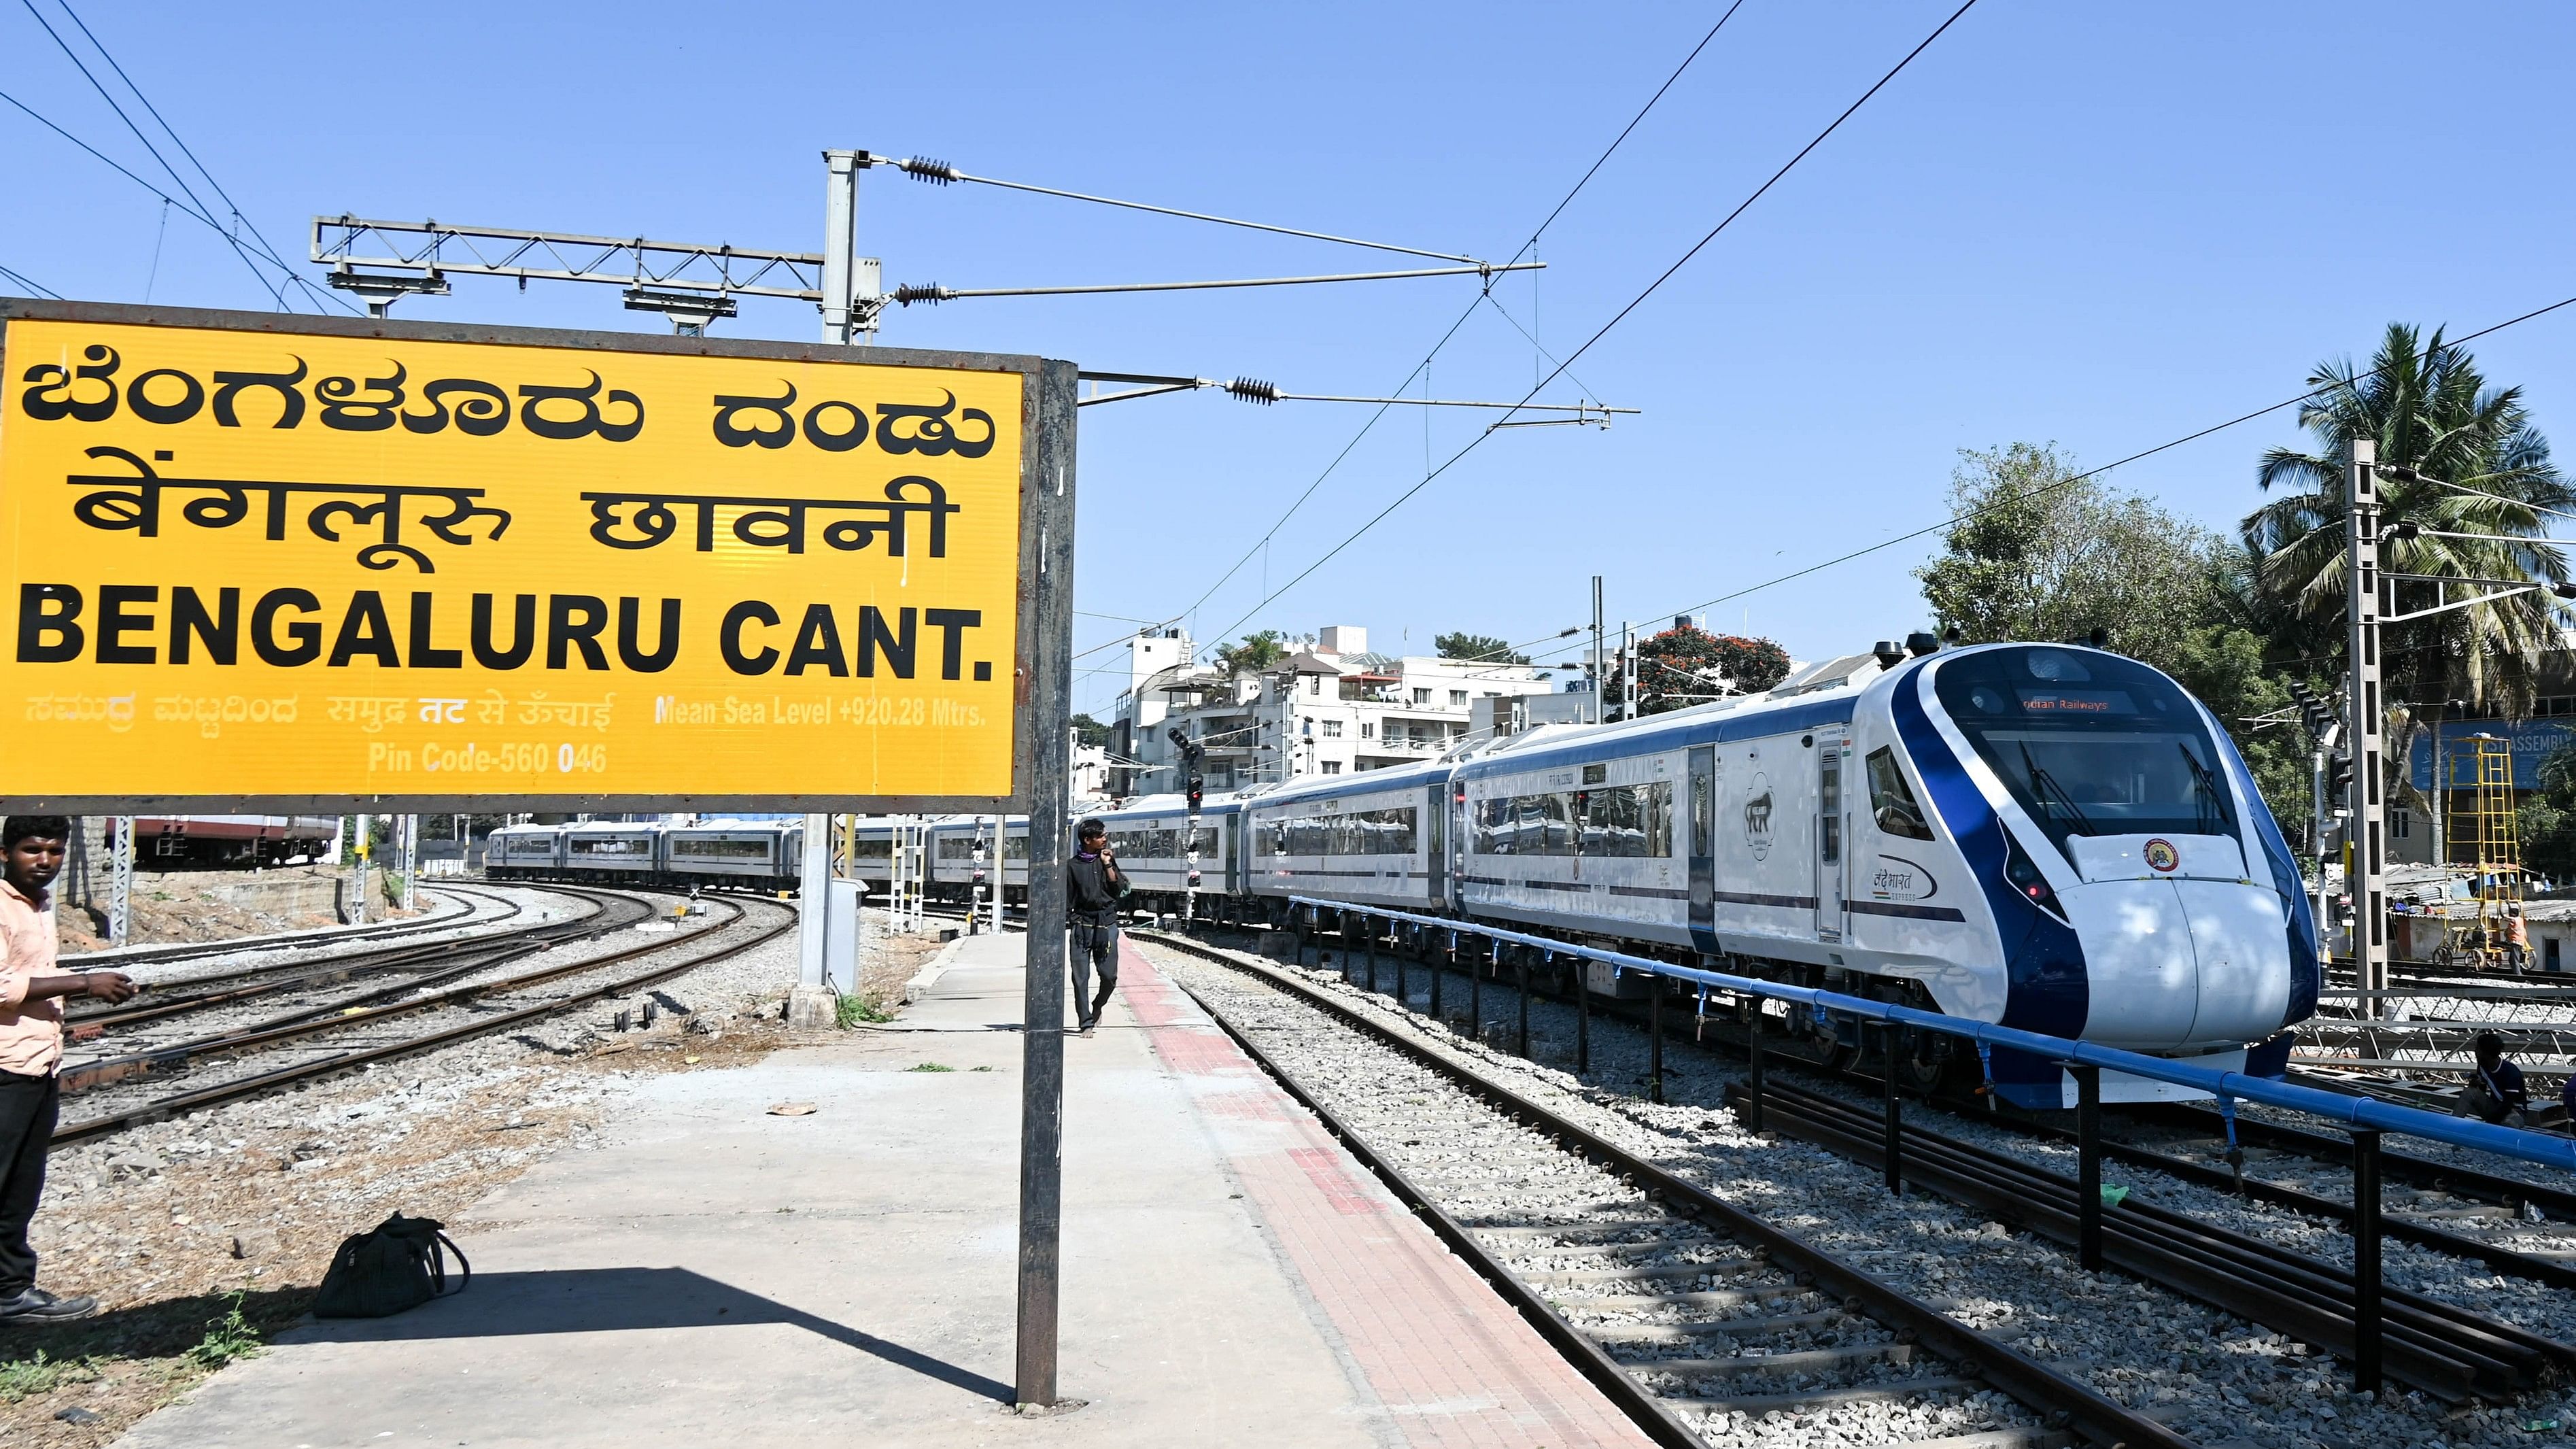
x=1757, y=817
x=2161, y=856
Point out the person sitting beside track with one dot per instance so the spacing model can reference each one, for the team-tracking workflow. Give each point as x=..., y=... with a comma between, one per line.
x=2495, y=1091
x=1094, y=885
x=31, y=1046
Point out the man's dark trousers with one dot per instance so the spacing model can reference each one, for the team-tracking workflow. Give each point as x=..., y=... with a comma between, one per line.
x=1095, y=944
x=26, y=1131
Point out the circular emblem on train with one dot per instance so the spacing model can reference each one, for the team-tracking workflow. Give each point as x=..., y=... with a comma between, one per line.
x=2161, y=856
x=1757, y=816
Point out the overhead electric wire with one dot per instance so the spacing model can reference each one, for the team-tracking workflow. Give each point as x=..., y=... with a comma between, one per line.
x=117, y=106
x=1622, y=314
x=186, y=209
x=941, y=173
x=30, y=283
x=2067, y=482
x=1540, y=230
x=234, y=209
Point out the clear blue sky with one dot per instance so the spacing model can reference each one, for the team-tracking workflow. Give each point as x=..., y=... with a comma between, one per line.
x=2103, y=226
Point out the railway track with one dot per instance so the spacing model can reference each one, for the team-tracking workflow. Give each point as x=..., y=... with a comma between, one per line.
x=2439, y=1348
x=457, y=1012
x=116, y=958
x=2464, y=1355
x=1703, y=1321
x=182, y=996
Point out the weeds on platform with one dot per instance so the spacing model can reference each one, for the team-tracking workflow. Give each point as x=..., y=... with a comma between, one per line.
x=27, y=1377
x=853, y=1010
x=932, y=1067
x=227, y=1338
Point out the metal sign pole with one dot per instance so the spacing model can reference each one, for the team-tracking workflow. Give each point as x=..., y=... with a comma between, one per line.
x=1050, y=704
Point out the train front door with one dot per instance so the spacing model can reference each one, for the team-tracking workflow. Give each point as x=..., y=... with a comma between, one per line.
x=1703, y=849
x=1833, y=823
x=1435, y=854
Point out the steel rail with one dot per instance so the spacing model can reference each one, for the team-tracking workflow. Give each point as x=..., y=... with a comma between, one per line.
x=2459, y=1245
x=2065, y=1402
x=155, y=1003
x=2351, y=1111
x=2416, y=1171
x=113, y=957
x=2444, y=1351
x=333, y=1015
x=72, y=1132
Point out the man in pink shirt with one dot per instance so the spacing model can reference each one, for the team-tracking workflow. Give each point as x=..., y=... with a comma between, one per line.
x=31, y=1046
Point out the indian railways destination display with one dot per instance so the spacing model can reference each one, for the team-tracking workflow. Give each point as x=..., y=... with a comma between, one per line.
x=251, y=561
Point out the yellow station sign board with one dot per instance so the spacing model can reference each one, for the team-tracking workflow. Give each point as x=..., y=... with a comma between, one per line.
x=366, y=564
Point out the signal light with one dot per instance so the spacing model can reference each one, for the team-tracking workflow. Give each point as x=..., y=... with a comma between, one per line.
x=2338, y=773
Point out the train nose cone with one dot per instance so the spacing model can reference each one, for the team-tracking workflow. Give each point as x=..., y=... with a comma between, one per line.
x=2241, y=940
x=2170, y=964
x=2141, y=975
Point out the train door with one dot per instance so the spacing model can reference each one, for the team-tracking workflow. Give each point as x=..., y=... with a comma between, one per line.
x=1703, y=848
x=1831, y=826
x=1435, y=845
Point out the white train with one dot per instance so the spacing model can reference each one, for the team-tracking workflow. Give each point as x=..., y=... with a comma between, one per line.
x=2049, y=837
x=753, y=854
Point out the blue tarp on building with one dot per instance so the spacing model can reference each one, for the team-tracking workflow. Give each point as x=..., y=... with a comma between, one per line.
x=2533, y=739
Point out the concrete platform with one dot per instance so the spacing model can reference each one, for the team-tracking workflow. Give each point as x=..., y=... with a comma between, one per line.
x=717, y=1275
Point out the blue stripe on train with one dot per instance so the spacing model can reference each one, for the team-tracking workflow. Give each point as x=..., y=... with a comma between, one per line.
x=2045, y=987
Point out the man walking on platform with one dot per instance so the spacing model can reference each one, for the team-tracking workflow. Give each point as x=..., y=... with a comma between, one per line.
x=1093, y=887
x=31, y=1046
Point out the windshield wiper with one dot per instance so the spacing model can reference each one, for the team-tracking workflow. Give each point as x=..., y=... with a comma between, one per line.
x=2040, y=779
x=2206, y=801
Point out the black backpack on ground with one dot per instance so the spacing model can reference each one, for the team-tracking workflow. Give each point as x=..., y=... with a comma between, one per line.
x=397, y=1266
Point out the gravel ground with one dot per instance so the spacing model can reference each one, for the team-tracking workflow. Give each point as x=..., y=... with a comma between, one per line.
x=2212, y=1377
x=168, y=1221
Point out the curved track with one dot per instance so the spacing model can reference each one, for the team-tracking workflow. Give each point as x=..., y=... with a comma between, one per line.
x=121, y=956
x=314, y=1040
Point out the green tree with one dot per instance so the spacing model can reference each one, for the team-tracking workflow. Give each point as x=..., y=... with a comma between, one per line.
x=2042, y=553
x=1477, y=648
x=1090, y=731
x=1255, y=653
x=1684, y=666
x=2434, y=417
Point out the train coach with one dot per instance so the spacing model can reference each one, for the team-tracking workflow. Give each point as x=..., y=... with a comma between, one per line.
x=745, y=854
x=2053, y=838
x=172, y=841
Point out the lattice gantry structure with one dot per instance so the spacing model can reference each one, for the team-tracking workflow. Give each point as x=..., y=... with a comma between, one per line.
x=2481, y=836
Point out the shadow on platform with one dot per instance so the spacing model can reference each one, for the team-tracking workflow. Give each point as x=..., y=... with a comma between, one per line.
x=609, y=1300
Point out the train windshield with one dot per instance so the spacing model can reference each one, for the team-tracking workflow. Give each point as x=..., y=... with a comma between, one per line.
x=2088, y=743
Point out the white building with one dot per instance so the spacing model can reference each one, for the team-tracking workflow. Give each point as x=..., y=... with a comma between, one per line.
x=1336, y=707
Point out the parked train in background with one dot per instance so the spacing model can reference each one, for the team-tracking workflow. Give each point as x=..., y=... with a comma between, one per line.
x=746, y=854
x=178, y=842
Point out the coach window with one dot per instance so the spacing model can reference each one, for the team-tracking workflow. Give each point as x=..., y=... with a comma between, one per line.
x=1891, y=800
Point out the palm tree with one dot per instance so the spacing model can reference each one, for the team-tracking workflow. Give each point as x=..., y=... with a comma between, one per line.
x=2431, y=412
x=1257, y=652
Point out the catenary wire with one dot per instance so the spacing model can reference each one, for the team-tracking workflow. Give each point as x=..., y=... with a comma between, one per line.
x=117, y=106
x=266, y=247
x=184, y=208
x=1539, y=231
x=1622, y=314
x=30, y=283
x=2068, y=482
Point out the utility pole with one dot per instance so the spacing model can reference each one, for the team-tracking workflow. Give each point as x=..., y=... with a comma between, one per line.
x=120, y=889
x=1600, y=681
x=1191, y=780
x=1627, y=670
x=2366, y=726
